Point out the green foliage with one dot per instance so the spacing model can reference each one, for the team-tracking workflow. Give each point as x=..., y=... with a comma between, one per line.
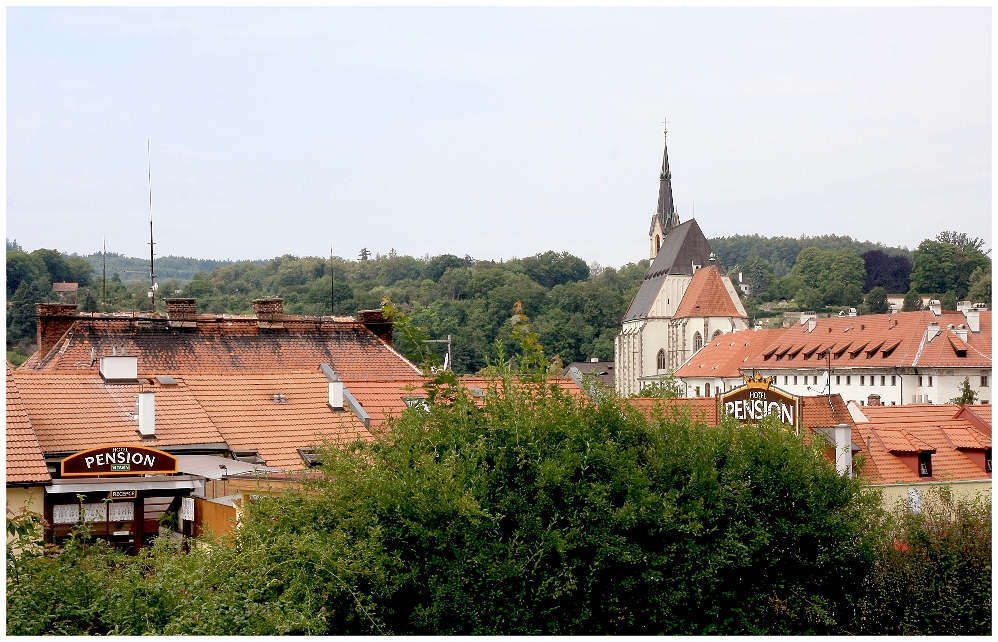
x=948, y=301
x=933, y=570
x=912, y=302
x=538, y=512
x=980, y=286
x=667, y=387
x=877, y=302
x=967, y=394
x=941, y=266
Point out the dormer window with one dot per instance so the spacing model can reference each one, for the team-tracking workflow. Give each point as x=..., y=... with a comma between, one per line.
x=310, y=457
x=987, y=460
x=925, y=464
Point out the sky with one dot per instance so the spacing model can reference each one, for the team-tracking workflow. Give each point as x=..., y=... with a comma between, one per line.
x=490, y=132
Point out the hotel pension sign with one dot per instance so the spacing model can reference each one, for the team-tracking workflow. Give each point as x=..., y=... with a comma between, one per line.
x=757, y=399
x=115, y=459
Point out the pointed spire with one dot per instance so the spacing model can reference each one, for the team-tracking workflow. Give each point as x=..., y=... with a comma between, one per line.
x=666, y=211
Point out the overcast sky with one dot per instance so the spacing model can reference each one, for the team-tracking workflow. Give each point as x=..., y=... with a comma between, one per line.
x=491, y=132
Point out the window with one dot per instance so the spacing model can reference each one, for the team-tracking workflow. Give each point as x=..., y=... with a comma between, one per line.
x=716, y=334
x=697, y=390
x=815, y=379
x=310, y=457
x=883, y=380
x=786, y=380
x=697, y=342
x=919, y=381
x=987, y=460
x=658, y=243
x=984, y=382
x=894, y=380
x=661, y=359
x=848, y=380
x=838, y=380
x=795, y=380
x=706, y=390
x=925, y=464
x=930, y=381
x=862, y=380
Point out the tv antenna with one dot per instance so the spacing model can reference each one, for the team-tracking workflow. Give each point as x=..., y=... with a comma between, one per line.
x=448, y=359
x=332, y=285
x=152, y=259
x=103, y=285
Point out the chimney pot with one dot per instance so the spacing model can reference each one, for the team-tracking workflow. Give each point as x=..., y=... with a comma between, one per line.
x=873, y=400
x=147, y=414
x=936, y=307
x=181, y=309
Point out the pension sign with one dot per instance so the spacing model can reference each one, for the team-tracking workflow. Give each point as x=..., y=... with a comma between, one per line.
x=118, y=460
x=757, y=399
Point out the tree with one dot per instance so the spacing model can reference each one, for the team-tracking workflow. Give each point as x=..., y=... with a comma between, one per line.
x=967, y=394
x=550, y=268
x=877, y=301
x=943, y=267
x=948, y=301
x=912, y=302
x=667, y=387
x=365, y=254
x=980, y=287
x=890, y=272
x=961, y=240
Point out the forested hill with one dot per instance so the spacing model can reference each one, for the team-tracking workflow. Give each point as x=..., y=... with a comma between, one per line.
x=576, y=308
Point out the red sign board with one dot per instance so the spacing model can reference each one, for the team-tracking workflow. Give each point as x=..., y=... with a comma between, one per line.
x=757, y=399
x=116, y=459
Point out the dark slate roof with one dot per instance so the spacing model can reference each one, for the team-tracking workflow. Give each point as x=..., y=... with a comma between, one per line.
x=666, y=210
x=684, y=246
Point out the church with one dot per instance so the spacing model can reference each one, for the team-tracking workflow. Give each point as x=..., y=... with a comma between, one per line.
x=683, y=303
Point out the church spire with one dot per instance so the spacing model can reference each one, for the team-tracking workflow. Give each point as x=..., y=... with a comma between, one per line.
x=666, y=212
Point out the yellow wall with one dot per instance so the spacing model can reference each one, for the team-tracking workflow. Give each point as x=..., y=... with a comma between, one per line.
x=32, y=498
x=894, y=493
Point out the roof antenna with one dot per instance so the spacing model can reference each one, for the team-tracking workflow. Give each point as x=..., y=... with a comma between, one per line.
x=332, y=285
x=103, y=286
x=152, y=264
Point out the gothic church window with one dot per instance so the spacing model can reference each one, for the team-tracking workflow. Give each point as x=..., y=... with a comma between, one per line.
x=661, y=359
x=697, y=342
x=716, y=334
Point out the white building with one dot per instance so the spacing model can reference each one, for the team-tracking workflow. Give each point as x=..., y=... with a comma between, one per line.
x=891, y=359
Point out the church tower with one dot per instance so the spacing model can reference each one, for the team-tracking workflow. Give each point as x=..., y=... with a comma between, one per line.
x=665, y=217
x=684, y=301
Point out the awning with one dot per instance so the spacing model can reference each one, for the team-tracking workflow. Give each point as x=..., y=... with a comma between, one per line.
x=210, y=466
x=91, y=484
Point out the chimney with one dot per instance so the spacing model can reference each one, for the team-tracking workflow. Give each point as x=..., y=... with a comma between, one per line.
x=53, y=320
x=842, y=435
x=974, y=317
x=594, y=360
x=852, y=312
x=810, y=318
x=873, y=400
x=961, y=331
x=269, y=312
x=932, y=331
x=181, y=309
x=963, y=306
x=147, y=414
x=335, y=387
x=375, y=321
x=936, y=307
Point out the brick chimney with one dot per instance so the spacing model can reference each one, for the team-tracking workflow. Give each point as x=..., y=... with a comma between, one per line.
x=53, y=321
x=375, y=321
x=269, y=312
x=181, y=309
x=873, y=400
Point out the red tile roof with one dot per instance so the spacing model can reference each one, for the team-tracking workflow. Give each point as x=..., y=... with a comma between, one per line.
x=723, y=356
x=73, y=411
x=702, y=410
x=384, y=399
x=224, y=343
x=878, y=340
x=707, y=296
x=957, y=445
x=242, y=407
x=25, y=462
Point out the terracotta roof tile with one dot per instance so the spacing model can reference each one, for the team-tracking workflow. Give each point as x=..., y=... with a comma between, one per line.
x=243, y=409
x=384, y=399
x=823, y=411
x=707, y=296
x=73, y=411
x=25, y=462
x=700, y=409
x=224, y=343
x=723, y=356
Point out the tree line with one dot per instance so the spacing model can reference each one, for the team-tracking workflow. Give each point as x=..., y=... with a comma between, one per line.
x=577, y=307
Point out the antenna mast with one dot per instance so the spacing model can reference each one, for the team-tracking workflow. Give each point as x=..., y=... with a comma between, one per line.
x=332, y=285
x=103, y=286
x=152, y=264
